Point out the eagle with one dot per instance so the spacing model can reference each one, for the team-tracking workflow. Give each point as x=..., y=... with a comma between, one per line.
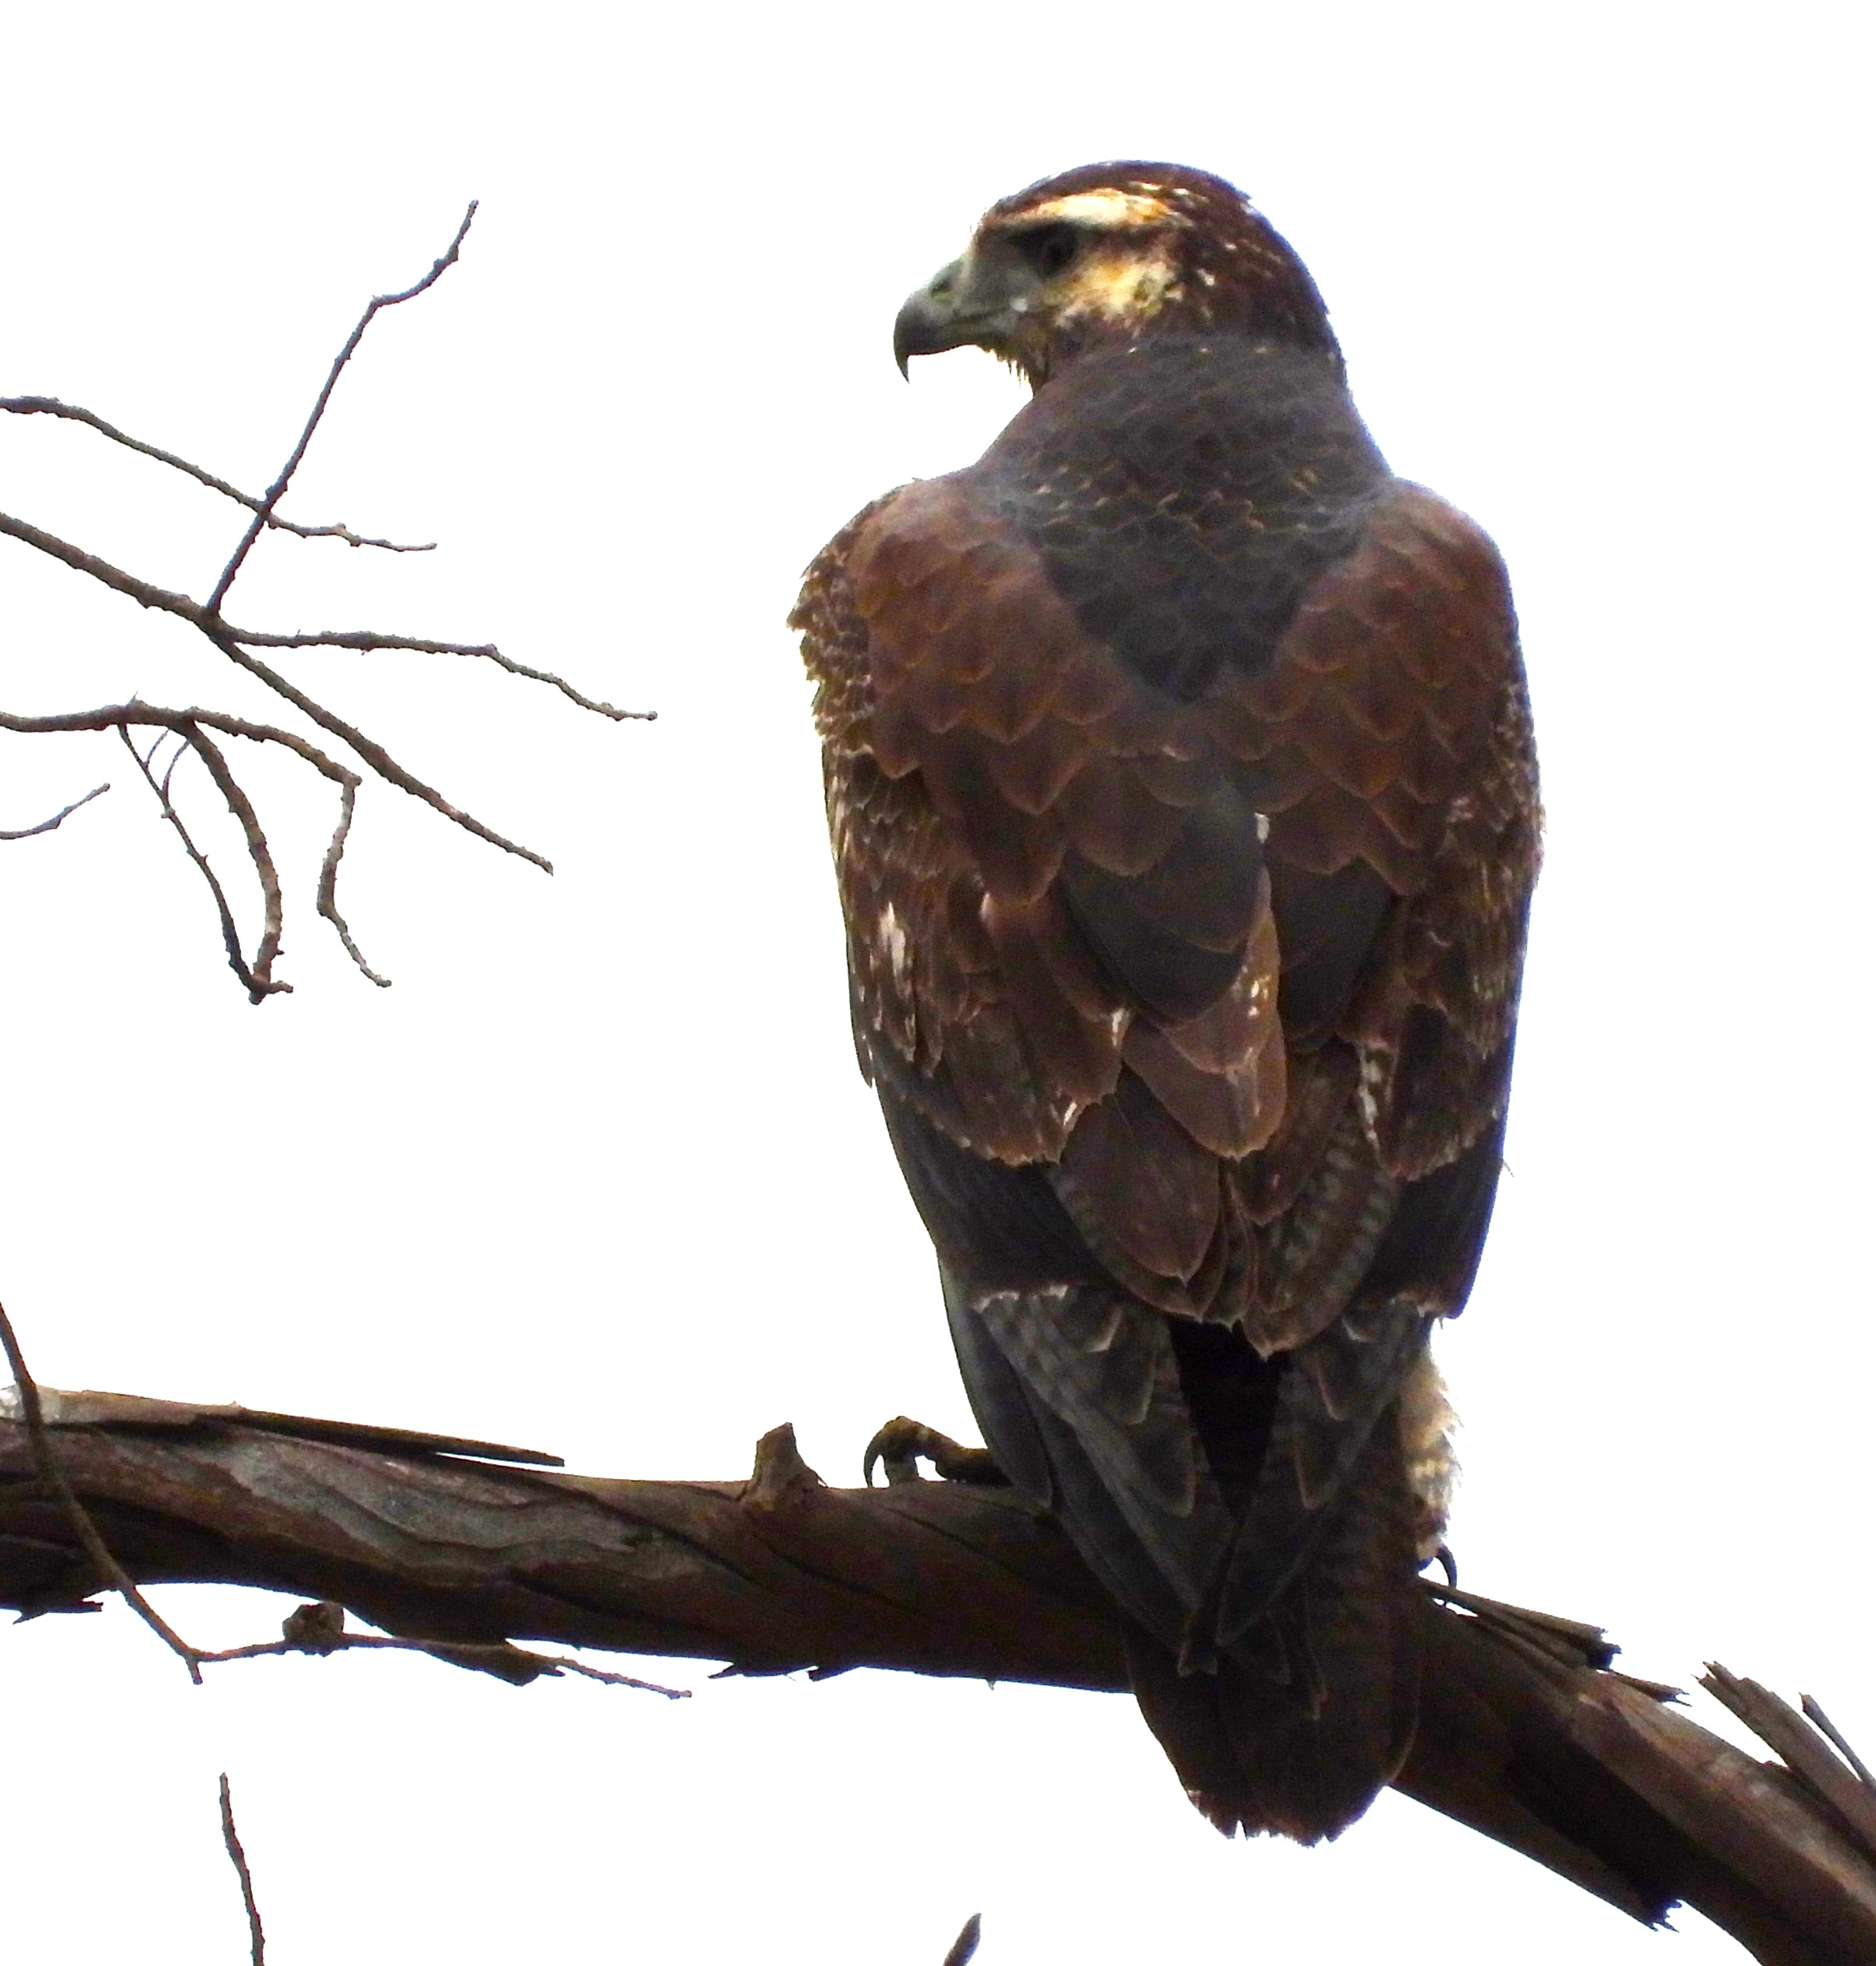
x=1181, y=784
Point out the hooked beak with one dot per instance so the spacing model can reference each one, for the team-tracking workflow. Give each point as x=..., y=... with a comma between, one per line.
x=949, y=311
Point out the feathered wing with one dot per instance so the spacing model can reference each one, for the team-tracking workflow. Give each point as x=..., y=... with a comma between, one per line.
x=1190, y=1011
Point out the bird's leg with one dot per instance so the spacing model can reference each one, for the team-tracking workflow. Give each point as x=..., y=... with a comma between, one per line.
x=901, y=1444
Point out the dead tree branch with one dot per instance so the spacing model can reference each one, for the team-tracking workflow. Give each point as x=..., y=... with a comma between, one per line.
x=276, y=491
x=189, y=726
x=964, y=1947
x=231, y=1842
x=318, y=1628
x=1525, y=1735
x=58, y=818
x=237, y=646
x=106, y=1571
x=50, y=406
x=256, y=979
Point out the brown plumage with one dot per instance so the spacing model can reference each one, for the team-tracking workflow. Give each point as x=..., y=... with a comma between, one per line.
x=1184, y=813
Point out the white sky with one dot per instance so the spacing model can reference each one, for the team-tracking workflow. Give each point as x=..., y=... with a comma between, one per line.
x=598, y=1174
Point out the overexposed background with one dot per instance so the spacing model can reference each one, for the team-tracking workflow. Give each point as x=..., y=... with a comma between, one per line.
x=598, y=1174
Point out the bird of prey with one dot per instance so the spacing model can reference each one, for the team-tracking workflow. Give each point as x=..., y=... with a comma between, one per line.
x=1184, y=807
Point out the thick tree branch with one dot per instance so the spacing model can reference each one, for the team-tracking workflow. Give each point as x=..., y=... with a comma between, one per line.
x=1525, y=1735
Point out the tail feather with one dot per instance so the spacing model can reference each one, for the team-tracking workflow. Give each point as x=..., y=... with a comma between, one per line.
x=1313, y=1712
x=1328, y=1409
x=1253, y=1519
x=1078, y=1396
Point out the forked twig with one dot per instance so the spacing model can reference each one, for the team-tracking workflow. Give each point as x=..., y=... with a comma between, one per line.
x=122, y=717
x=374, y=754
x=147, y=594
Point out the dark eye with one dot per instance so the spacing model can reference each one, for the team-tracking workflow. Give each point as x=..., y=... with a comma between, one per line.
x=1049, y=249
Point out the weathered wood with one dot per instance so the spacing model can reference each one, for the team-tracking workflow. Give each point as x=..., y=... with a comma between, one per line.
x=1525, y=1736
x=1806, y=1750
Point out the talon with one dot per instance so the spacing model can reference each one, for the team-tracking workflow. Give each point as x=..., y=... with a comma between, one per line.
x=1450, y=1564
x=901, y=1444
x=897, y=1444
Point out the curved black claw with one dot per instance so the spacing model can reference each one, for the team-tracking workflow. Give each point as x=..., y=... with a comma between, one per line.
x=901, y=1444
x=1450, y=1564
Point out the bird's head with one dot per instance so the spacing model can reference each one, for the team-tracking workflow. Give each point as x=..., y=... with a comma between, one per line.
x=1113, y=253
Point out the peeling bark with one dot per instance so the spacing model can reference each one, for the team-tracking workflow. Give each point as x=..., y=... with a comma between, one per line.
x=1525, y=1736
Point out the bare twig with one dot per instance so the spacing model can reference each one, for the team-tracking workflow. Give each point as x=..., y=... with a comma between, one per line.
x=367, y=638
x=50, y=406
x=147, y=594
x=319, y=1629
x=516, y=1664
x=257, y=978
x=586, y=1672
x=108, y=1570
x=239, y=804
x=963, y=1947
x=374, y=754
x=276, y=491
x=58, y=818
x=328, y=900
x=136, y=712
x=137, y=715
x=257, y=1940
